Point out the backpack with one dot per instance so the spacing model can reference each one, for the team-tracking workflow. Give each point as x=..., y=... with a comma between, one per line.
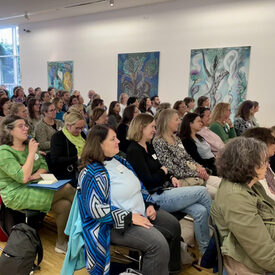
x=21, y=250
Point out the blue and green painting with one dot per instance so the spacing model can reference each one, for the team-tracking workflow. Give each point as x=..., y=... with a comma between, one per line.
x=221, y=74
x=138, y=74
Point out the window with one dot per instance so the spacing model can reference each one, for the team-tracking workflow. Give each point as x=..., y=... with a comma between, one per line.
x=9, y=58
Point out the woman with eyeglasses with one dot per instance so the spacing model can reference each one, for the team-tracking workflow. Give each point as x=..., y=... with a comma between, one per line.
x=67, y=146
x=242, y=211
x=20, y=164
x=45, y=129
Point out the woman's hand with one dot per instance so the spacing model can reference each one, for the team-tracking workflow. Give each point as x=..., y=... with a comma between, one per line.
x=151, y=212
x=175, y=182
x=164, y=169
x=202, y=173
x=33, y=146
x=229, y=122
x=138, y=219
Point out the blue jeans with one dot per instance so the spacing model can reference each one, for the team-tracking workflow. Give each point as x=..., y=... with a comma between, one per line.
x=192, y=200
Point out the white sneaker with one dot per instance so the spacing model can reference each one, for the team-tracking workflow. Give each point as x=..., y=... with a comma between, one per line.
x=61, y=248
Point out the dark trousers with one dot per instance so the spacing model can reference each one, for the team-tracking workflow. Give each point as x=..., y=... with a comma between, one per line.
x=160, y=244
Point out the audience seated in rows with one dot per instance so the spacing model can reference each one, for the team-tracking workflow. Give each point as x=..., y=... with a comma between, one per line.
x=195, y=145
x=242, y=120
x=163, y=186
x=242, y=212
x=211, y=138
x=122, y=204
x=114, y=117
x=21, y=163
x=221, y=123
x=67, y=146
x=47, y=126
x=171, y=153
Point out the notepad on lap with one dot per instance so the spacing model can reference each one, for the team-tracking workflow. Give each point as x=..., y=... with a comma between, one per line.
x=48, y=179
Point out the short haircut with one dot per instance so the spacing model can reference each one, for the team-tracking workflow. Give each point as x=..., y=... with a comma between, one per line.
x=239, y=158
x=137, y=125
x=163, y=120
x=64, y=92
x=201, y=99
x=131, y=100
x=92, y=151
x=45, y=106
x=43, y=95
x=260, y=133
x=153, y=97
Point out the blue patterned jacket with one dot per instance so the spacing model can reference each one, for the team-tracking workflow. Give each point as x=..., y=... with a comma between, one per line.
x=99, y=216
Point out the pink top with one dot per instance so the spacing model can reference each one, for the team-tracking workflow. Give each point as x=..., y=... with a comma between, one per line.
x=213, y=139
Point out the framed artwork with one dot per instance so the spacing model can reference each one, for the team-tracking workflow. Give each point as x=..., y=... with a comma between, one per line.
x=60, y=75
x=138, y=74
x=221, y=74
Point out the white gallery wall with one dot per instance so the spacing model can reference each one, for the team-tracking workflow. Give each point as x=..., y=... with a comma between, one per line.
x=174, y=28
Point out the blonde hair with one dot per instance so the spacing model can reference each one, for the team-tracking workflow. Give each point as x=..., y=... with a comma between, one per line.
x=218, y=111
x=163, y=120
x=72, y=117
x=121, y=97
x=137, y=125
x=14, y=109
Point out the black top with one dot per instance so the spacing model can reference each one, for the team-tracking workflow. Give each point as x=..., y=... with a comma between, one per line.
x=122, y=130
x=191, y=148
x=63, y=156
x=147, y=167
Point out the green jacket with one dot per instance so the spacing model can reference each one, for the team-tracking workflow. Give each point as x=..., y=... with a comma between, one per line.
x=224, y=132
x=246, y=222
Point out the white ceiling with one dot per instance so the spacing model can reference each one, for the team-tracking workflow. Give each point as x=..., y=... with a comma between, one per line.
x=18, y=12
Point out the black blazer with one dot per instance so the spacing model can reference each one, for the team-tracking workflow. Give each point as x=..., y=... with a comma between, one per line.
x=147, y=167
x=64, y=159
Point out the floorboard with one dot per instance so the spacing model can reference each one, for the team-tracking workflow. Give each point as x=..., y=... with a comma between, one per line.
x=52, y=261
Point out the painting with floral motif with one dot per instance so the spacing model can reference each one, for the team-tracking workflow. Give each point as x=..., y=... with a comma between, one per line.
x=60, y=75
x=138, y=74
x=221, y=74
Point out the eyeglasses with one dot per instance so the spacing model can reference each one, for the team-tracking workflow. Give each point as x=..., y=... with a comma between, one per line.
x=51, y=110
x=22, y=126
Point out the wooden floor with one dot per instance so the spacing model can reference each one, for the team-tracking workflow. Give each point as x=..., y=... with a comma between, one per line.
x=52, y=261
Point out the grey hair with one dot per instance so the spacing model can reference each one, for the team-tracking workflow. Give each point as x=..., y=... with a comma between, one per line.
x=239, y=159
x=45, y=106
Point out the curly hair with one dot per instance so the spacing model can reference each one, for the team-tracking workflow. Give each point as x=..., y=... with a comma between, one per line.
x=7, y=124
x=239, y=158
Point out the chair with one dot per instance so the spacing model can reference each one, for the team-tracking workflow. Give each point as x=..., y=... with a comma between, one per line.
x=10, y=217
x=218, y=244
x=124, y=252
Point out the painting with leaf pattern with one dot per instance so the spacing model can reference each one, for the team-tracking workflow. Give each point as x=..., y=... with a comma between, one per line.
x=138, y=74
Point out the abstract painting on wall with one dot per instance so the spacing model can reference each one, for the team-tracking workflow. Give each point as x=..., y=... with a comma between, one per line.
x=221, y=74
x=138, y=74
x=60, y=75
